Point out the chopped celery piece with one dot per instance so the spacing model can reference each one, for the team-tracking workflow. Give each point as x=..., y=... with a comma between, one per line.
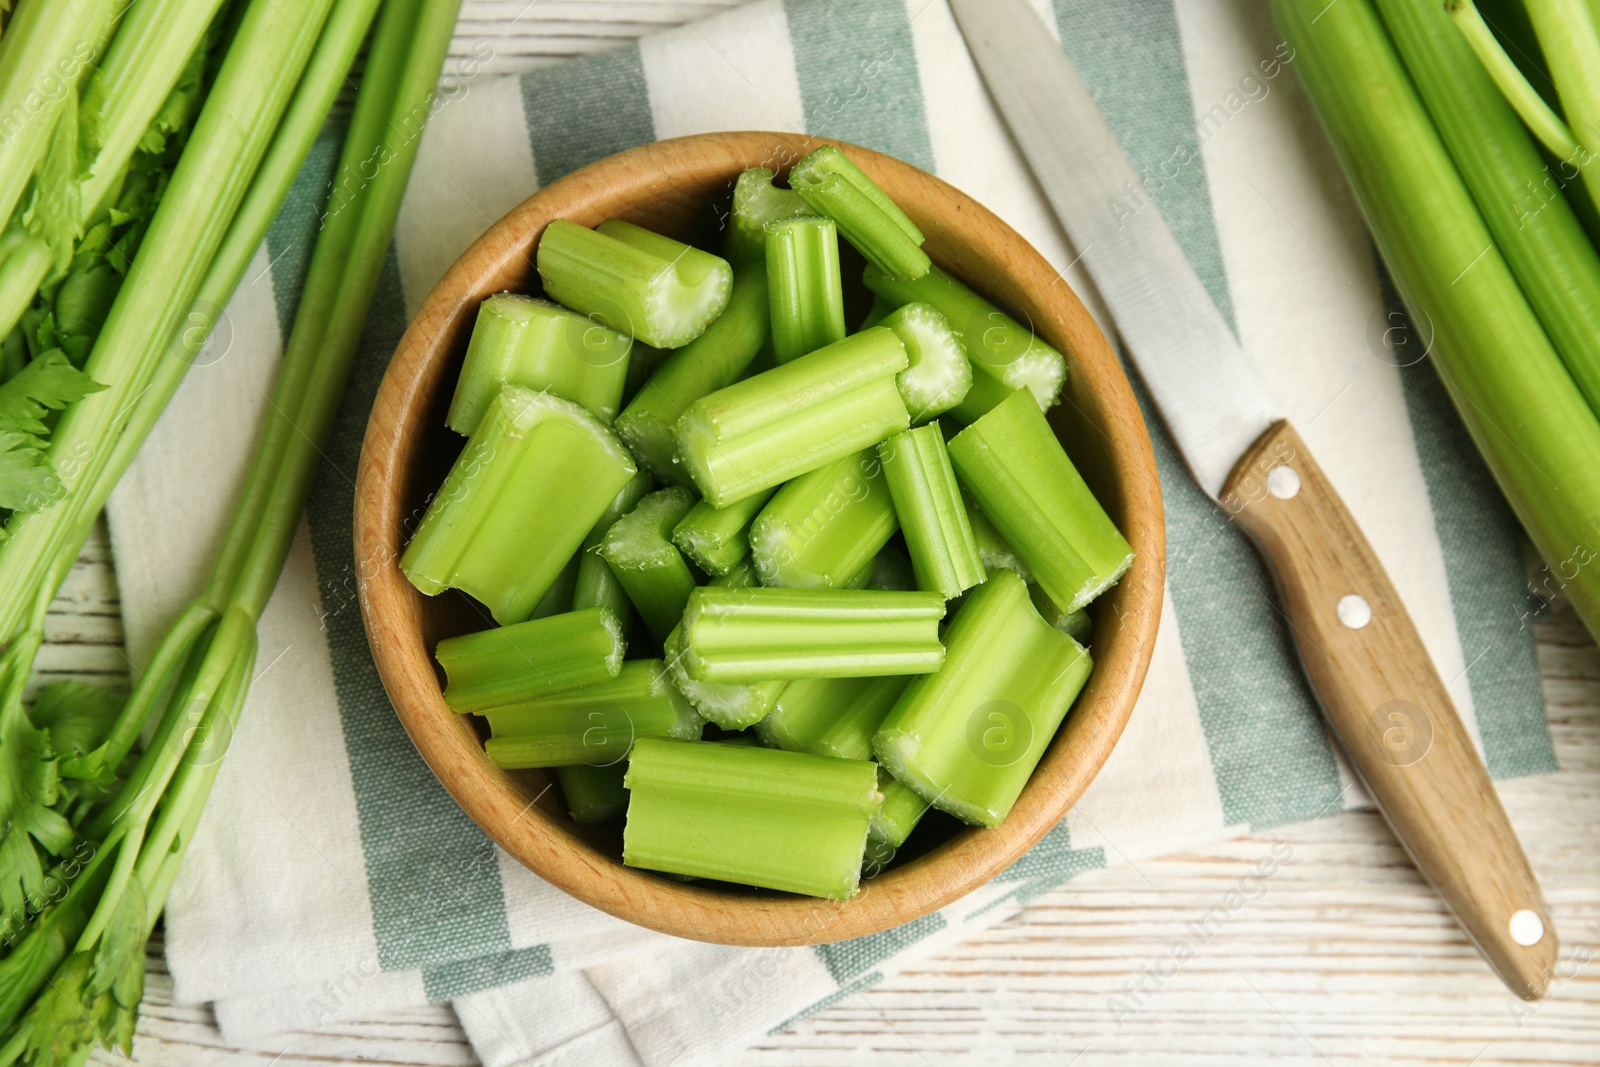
x=543, y=346
x=967, y=737
x=528, y=660
x=822, y=529
x=928, y=501
x=1012, y=463
x=1075, y=624
x=595, y=794
x=534, y=478
x=661, y=291
x=717, y=539
x=730, y=705
x=901, y=810
x=804, y=289
x=892, y=570
x=1005, y=354
x=649, y=566
x=831, y=716
x=756, y=816
x=596, y=725
x=834, y=186
x=643, y=361
x=757, y=433
x=939, y=373
x=559, y=597
x=741, y=635
x=992, y=548
x=594, y=583
x=715, y=359
x=756, y=202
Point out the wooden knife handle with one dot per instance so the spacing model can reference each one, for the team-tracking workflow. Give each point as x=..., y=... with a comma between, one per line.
x=1389, y=707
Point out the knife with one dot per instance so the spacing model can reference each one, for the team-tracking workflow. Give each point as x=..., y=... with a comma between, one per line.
x=1366, y=663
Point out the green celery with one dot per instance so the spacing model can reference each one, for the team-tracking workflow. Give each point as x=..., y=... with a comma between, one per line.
x=834, y=186
x=1005, y=355
x=594, y=726
x=1569, y=39
x=939, y=373
x=717, y=539
x=1539, y=117
x=742, y=635
x=756, y=202
x=558, y=598
x=823, y=528
x=1012, y=463
x=651, y=570
x=759, y=432
x=540, y=345
x=892, y=570
x=901, y=810
x=661, y=291
x=643, y=361
x=594, y=583
x=1075, y=624
x=756, y=816
x=529, y=660
x=967, y=737
x=730, y=705
x=992, y=548
x=594, y=794
x=928, y=501
x=831, y=716
x=882, y=309
x=804, y=289
x=715, y=359
x=534, y=478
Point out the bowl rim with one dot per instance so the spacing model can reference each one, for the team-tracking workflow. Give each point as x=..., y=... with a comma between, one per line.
x=390, y=607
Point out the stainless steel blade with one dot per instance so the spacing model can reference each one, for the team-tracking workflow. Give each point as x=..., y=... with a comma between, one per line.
x=1188, y=357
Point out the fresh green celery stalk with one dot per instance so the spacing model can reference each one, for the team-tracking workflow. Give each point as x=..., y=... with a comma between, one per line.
x=732, y=706
x=901, y=810
x=651, y=570
x=1075, y=624
x=1013, y=465
x=939, y=373
x=661, y=291
x=643, y=361
x=823, y=528
x=1540, y=118
x=892, y=570
x=804, y=288
x=593, y=726
x=765, y=430
x=1005, y=355
x=540, y=345
x=967, y=737
x=529, y=660
x=923, y=486
x=594, y=583
x=742, y=635
x=756, y=816
x=533, y=480
x=756, y=202
x=558, y=598
x=718, y=539
x=992, y=548
x=24, y=266
x=831, y=716
x=594, y=794
x=834, y=186
x=1569, y=37
x=715, y=359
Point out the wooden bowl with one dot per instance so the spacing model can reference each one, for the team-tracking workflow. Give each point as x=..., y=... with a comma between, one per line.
x=682, y=187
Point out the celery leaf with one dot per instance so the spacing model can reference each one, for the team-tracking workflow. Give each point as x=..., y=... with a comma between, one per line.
x=49, y=383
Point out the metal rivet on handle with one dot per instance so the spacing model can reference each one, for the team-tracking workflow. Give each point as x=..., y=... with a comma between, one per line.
x=1283, y=482
x=1527, y=928
x=1354, y=611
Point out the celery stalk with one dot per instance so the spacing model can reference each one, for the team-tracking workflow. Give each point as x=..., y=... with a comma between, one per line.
x=648, y=565
x=1005, y=355
x=596, y=725
x=834, y=186
x=594, y=794
x=756, y=202
x=1075, y=624
x=558, y=598
x=804, y=289
x=757, y=816
x=823, y=528
x=901, y=810
x=644, y=361
x=740, y=635
x=594, y=584
x=540, y=345
x=831, y=716
x=715, y=359
x=730, y=705
x=717, y=539
x=1569, y=37
x=939, y=373
x=661, y=291
x=922, y=483
x=967, y=737
x=1536, y=114
x=1013, y=465
x=533, y=480
x=532, y=659
x=764, y=430
x=992, y=548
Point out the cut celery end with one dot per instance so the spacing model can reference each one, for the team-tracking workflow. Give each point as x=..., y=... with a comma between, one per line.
x=540, y=345
x=992, y=548
x=1075, y=624
x=831, y=716
x=594, y=794
x=834, y=186
x=715, y=359
x=596, y=725
x=1013, y=465
x=661, y=291
x=534, y=478
x=781, y=423
x=756, y=816
x=901, y=810
x=743, y=635
x=967, y=737
x=532, y=659
x=646, y=563
x=892, y=570
x=756, y=202
x=1005, y=355
x=923, y=486
x=804, y=289
x=718, y=539
x=824, y=527
x=730, y=705
x=594, y=584
x=939, y=374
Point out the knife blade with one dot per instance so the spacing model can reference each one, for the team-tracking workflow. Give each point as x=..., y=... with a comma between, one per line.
x=1367, y=665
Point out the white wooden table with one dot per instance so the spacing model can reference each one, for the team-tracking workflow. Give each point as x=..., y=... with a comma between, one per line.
x=1346, y=958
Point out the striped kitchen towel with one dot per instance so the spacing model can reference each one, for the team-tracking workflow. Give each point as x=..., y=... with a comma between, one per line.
x=333, y=878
